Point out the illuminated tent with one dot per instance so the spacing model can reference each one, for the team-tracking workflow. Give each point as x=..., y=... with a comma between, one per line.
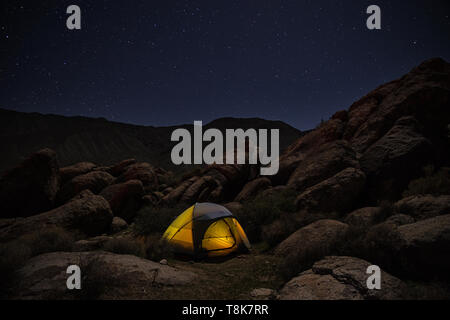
x=206, y=229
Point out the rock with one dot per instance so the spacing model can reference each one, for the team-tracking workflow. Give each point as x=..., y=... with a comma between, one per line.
x=125, y=199
x=194, y=190
x=163, y=262
x=336, y=194
x=149, y=200
x=118, y=224
x=400, y=220
x=91, y=244
x=70, y=172
x=140, y=171
x=252, y=189
x=121, y=167
x=89, y=214
x=328, y=160
x=175, y=195
x=110, y=275
x=31, y=187
x=364, y=217
x=329, y=131
x=94, y=181
x=262, y=293
x=424, y=206
x=424, y=246
x=340, y=278
x=423, y=93
x=234, y=207
x=317, y=239
x=390, y=163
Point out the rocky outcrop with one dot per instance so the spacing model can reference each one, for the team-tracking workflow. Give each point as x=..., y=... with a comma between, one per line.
x=197, y=189
x=141, y=171
x=328, y=160
x=44, y=276
x=31, y=187
x=216, y=183
x=252, y=189
x=423, y=93
x=119, y=168
x=336, y=194
x=392, y=161
x=125, y=199
x=70, y=172
x=88, y=213
x=319, y=237
x=329, y=131
x=424, y=206
x=340, y=278
x=94, y=181
x=424, y=246
x=363, y=218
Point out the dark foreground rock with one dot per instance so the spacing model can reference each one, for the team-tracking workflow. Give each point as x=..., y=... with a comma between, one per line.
x=44, y=276
x=87, y=213
x=340, y=278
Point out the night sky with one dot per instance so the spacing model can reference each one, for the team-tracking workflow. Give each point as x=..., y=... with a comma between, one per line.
x=173, y=62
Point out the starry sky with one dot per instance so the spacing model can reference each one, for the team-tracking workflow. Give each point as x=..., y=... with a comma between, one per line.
x=172, y=62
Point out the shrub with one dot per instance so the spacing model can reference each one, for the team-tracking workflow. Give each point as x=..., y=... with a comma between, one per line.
x=124, y=246
x=264, y=210
x=156, y=248
x=435, y=183
x=155, y=219
x=48, y=240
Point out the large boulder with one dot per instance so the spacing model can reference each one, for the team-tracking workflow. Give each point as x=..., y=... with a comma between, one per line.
x=424, y=206
x=86, y=213
x=364, y=217
x=253, y=188
x=424, y=246
x=142, y=171
x=104, y=276
x=70, y=172
x=328, y=160
x=340, y=278
x=392, y=161
x=125, y=199
x=336, y=194
x=94, y=181
x=31, y=187
x=329, y=131
x=315, y=240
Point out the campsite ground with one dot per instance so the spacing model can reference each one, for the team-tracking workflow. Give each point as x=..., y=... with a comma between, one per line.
x=234, y=278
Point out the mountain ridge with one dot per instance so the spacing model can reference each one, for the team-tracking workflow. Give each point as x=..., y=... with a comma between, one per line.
x=104, y=142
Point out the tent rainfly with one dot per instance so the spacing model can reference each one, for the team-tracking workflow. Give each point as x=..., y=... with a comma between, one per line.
x=206, y=229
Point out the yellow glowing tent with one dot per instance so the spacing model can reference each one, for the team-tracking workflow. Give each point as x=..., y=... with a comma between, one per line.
x=206, y=229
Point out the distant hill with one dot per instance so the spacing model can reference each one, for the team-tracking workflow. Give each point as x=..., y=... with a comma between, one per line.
x=104, y=142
